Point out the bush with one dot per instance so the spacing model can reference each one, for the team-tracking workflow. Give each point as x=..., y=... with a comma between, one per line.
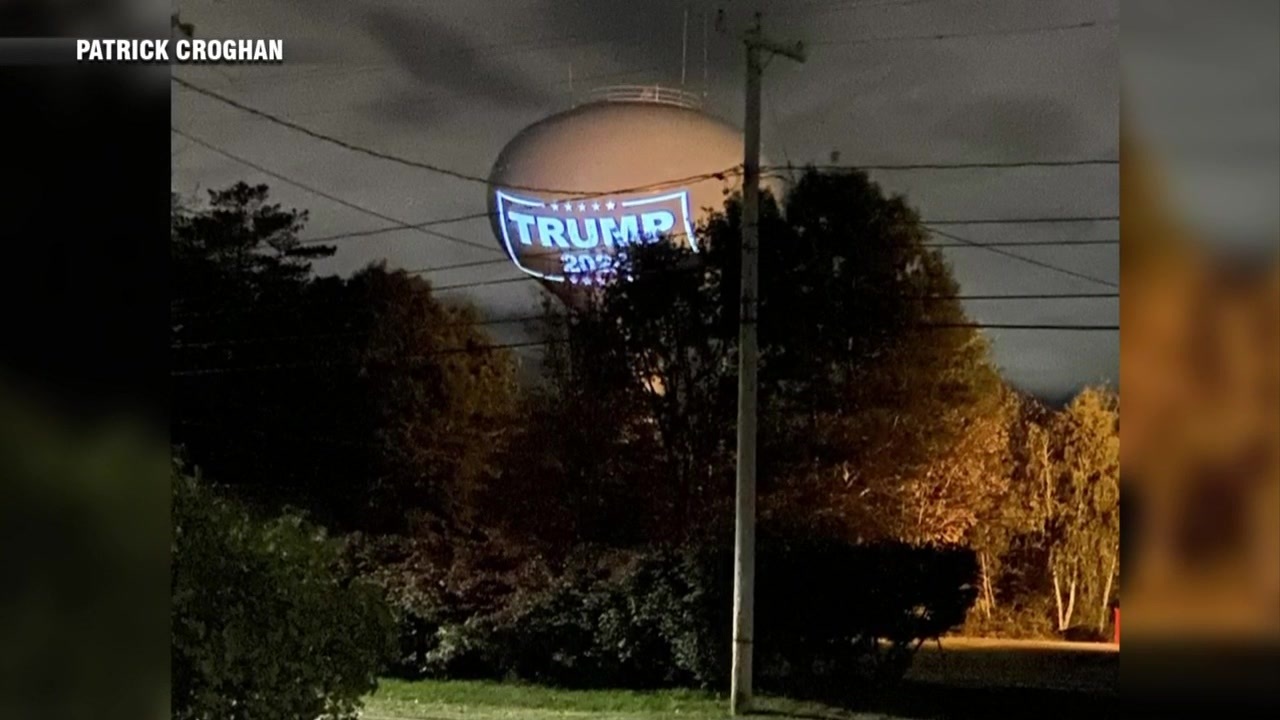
x=264, y=626
x=440, y=590
x=1085, y=633
x=1031, y=619
x=830, y=617
x=610, y=619
x=834, y=618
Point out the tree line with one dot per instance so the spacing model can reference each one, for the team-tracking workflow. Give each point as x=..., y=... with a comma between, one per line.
x=467, y=486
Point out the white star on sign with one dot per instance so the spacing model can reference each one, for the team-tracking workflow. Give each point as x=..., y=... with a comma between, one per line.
x=555, y=206
x=582, y=207
x=609, y=205
x=595, y=206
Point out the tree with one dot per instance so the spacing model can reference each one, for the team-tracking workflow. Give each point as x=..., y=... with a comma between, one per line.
x=366, y=399
x=236, y=250
x=969, y=494
x=956, y=496
x=1077, y=461
x=265, y=624
x=864, y=371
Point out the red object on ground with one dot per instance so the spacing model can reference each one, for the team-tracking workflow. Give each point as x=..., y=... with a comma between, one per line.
x=1116, y=624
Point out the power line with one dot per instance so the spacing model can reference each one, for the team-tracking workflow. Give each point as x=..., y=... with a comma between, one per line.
x=400, y=224
x=444, y=221
x=1022, y=258
x=381, y=231
x=824, y=8
x=593, y=193
x=484, y=214
x=1013, y=243
x=1025, y=221
x=577, y=194
x=543, y=316
x=481, y=283
x=457, y=266
x=539, y=46
x=972, y=244
x=1088, y=24
x=1005, y=326
x=333, y=74
x=523, y=277
x=422, y=227
x=1022, y=243
x=1027, y=296
x=989, y=221
x=1024, y=296
x=262, y=339
x=352, y=363
x=964, y=165
x=419, y=357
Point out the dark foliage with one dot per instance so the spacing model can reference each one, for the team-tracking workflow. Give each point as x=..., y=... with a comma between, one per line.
x=363, y=399
x=858, y=382
x=832, y=617
x=436, y=585
x=265, y=624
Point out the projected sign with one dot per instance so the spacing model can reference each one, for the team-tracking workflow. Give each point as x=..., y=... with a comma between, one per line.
x=584, y=241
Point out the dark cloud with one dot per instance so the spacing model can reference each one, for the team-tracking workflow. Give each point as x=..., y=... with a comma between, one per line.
x=403, y=107
x=444, y=65
x=639, y=33
x=1015, y=127
x=476, y=71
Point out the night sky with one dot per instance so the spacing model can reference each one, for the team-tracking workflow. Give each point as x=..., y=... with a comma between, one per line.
x=449, y=82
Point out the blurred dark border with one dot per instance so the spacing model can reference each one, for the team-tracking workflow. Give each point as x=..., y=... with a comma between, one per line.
x=84, y=496
x=1200, y=169
x=85, y=224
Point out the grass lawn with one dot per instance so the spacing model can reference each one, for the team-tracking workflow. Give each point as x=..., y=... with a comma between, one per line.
x=455, y=700
x=947, y=695
x=966, y=679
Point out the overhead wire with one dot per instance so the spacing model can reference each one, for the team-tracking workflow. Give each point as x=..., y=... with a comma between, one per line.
x=1020, y=258
x=493, y=347
x=803, y=10
x=1024, y=221
x=938, y=298
x=960, y=242
x=574, y=194
x=1085, y=25
x=996, y=165
x=1023, y=243
x=382, y=231
x=399, y=224
x=586, y=194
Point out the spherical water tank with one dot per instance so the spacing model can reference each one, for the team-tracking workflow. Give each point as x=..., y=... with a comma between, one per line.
x=570, y=194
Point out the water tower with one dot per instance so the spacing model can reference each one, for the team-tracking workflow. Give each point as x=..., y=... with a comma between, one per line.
x=571, y=193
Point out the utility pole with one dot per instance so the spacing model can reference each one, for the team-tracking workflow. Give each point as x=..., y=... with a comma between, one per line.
x=744, y=549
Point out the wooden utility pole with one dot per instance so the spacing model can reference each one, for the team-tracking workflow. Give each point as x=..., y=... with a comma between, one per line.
x=744, y=549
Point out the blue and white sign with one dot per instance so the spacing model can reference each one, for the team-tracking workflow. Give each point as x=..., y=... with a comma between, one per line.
x=584, y=241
